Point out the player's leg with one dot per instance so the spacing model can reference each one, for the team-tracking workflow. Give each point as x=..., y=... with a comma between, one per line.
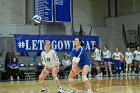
x=135, y=66
x=106, y=68
x=98, y=68
x=116, y=66
x=42, y=76
x=75, y=70
x=120, y=67
x=85, y=71
x=139, y=67
x=110, y=70
x=129, y=66
x=126, y=69
x=58, y=83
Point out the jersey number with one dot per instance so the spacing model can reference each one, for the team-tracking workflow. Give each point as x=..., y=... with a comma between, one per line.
x=48, y=59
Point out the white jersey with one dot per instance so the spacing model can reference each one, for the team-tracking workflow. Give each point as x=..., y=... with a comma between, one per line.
x=50, y=58
x=128, y=57
x=116, y=55
x=106, y=54
x=97, y=54
x=136, y=55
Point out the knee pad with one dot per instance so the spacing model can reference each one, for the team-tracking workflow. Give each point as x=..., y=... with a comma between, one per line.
x=120, y=68
x=70, y=79
x=56, y=78
x=109, y=68
x=117, y=68
x=84, y=78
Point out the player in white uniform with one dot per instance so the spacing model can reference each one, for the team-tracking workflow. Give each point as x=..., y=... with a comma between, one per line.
x=117, y=61
x=97, y=58
x=128, y=60
x=51, y=65
x=107, y=56
x=136, y=55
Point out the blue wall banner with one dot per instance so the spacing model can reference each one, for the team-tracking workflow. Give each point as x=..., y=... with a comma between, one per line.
x=44, y=8
x=32, y=43
x=62, y=10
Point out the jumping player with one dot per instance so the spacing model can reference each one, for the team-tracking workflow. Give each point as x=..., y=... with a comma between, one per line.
x=80, y=63
x=51, y=65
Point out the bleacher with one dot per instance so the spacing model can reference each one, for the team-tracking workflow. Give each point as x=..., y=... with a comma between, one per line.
x=31, y=70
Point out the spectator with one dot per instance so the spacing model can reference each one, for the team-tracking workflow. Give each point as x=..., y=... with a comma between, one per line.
x=14, y=68
x=66, y=62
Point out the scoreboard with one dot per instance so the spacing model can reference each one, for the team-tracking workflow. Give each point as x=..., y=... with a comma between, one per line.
x=44, y=8
x=54, y=10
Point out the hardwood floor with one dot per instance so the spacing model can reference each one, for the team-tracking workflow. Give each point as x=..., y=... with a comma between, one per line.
x=100, y=85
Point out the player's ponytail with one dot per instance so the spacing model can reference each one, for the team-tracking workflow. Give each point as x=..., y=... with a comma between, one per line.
x=81, y=42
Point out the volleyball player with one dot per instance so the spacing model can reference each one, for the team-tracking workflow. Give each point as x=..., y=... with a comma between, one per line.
x=107, y=56
x=51, y=65
x=128, y=59
x=97, y=58
x=80, y=63
x=136, y=55
x=117, y=57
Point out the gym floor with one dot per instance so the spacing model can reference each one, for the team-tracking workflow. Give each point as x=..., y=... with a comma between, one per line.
x=99, y=85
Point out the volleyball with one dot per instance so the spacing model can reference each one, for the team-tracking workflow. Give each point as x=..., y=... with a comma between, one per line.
x=36, y=19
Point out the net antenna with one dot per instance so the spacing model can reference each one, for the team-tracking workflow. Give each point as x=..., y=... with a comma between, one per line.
x=131, y=38
x=81, y=30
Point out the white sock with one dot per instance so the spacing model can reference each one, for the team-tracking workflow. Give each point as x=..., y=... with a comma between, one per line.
x=60, y=87
x=89, y=90
x=134, y=69
x=126, y=70
x=130, y=69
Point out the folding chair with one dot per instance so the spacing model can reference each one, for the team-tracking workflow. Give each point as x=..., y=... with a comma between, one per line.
x=32, y=70
x=39, y=68
x=1, y=67
x=24, y=68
